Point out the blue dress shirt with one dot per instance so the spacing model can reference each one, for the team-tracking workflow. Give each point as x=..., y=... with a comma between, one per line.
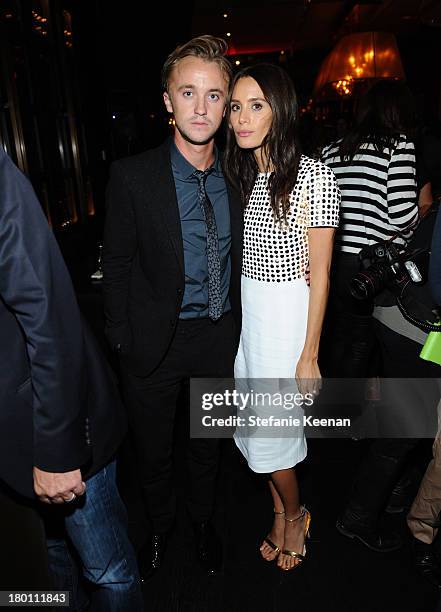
x=194, y=233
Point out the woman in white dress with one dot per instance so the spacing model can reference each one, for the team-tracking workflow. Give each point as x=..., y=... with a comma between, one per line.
x=291, y=210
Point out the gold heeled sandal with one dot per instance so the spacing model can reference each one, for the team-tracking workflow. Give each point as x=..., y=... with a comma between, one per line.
x=299, y=556
x=270, y=543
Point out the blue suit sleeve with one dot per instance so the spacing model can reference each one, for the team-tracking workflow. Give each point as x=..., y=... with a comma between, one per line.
x=36, y=287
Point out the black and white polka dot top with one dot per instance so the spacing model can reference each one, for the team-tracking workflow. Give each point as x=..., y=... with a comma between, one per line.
x=278, y=252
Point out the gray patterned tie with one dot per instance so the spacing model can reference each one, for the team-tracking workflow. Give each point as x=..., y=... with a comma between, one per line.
x=213, y=258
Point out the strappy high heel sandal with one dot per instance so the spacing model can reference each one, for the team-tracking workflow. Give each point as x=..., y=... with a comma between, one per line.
x=299, y=556
x=270, y=543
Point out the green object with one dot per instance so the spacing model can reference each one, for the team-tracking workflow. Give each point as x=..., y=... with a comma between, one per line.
x=431, y=350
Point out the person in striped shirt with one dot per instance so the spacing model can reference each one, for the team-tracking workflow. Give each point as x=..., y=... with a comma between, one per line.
x=375, y=167
x=376, y=172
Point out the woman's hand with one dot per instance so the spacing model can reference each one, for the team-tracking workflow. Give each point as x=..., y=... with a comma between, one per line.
x=308, y=377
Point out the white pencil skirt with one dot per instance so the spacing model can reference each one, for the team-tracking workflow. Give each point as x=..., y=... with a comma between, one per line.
x=274, y=319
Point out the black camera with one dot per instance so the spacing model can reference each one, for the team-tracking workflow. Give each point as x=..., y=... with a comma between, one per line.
x=385, y=266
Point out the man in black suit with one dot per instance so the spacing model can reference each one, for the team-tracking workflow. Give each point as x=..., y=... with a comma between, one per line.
x=172, y=260
x=60, y=418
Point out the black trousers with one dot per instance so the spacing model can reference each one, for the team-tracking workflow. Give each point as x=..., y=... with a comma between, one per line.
x=348, y=329
x=200, y=348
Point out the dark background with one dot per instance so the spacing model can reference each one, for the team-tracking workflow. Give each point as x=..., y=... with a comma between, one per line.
x=82, y=88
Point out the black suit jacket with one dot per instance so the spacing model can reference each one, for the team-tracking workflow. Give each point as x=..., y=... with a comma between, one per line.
x=143, y=258
x=59, y=406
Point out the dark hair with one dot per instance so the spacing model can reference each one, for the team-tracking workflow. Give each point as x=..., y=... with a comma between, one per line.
x=280, y=144
x=385, y=112
x=206, y=47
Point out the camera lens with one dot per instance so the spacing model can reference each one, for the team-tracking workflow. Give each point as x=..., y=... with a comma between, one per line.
x=360, y=287
x=368, y=283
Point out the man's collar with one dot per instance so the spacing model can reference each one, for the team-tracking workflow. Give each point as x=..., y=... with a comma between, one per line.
x=217, y=166
x=183, y=166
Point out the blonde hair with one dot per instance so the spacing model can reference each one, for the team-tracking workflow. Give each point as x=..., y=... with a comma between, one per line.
x=208, y=48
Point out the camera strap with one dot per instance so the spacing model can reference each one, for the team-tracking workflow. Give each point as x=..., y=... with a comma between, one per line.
x=420, y=303
x=425, y=326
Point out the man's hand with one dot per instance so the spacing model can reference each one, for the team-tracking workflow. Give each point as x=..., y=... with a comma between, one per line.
x=58, y=487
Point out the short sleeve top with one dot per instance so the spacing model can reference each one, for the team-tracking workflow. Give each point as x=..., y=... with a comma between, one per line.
x=378, y=194
x=279, y=252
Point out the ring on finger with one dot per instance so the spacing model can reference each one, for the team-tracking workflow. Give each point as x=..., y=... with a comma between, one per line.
x=56, y=500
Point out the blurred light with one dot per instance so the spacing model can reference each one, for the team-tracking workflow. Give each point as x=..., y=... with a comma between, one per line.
x=237, y=62
x=67, y=29
x=37, y=20
x=237, y=48
x=363, y=55
x=113, y=116
x=228, y=33
x=344, y=86
x=225, y=15
x=282, y=52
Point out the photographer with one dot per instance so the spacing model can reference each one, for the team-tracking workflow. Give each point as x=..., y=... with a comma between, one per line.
x=407, y=411
x=375, y=168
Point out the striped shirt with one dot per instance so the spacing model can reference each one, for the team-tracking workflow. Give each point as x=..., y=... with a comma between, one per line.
x=378, y=193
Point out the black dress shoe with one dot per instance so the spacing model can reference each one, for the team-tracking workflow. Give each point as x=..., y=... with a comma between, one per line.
x=426, y=562
x=151, y=556
x=208, y=547
x=374, y=538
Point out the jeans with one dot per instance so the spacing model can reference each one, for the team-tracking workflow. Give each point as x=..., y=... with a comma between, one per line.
x=91, y=533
